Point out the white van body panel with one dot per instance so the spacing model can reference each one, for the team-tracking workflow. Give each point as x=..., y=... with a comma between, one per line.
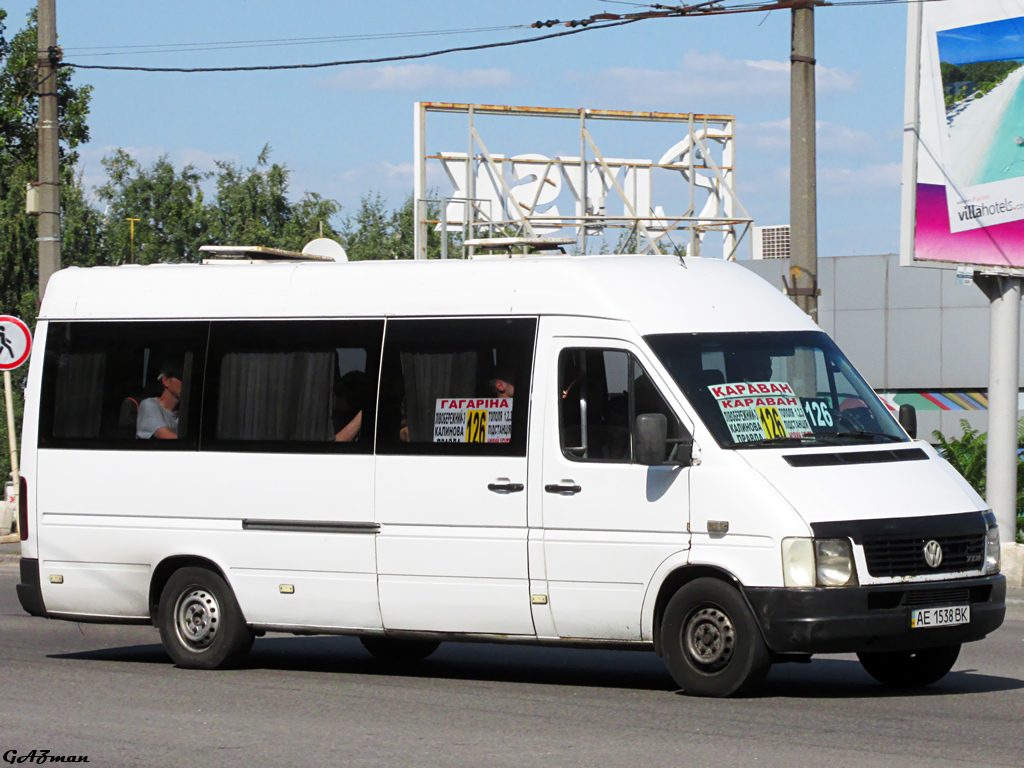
x=157, y=518
x=655, y=294
x=866, y=491
x=725, y=489
x=602, y=545
x=451, y=554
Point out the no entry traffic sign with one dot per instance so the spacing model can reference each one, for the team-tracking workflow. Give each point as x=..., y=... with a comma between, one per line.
x=15, y=343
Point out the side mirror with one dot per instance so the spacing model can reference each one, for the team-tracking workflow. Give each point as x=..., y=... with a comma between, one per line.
x=908, y=420
x=650, y=438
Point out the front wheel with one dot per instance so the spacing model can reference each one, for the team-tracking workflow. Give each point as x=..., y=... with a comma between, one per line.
x=201, y=625
x=910, y=669
x=710, y=641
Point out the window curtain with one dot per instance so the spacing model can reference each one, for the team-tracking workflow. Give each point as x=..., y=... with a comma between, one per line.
x=79, y=397
x=429, y=376
x=276, y=396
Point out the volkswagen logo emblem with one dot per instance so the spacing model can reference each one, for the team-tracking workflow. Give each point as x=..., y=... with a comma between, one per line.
x=933, y=553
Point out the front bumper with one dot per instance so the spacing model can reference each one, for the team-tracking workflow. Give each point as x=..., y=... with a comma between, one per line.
x=874, y=618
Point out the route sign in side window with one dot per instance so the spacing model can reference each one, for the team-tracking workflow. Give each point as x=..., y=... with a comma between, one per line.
x=600, y=394
x=122, y=385
x=292, y=386
x=457, y=387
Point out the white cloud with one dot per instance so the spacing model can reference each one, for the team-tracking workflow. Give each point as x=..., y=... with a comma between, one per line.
x=392, y=77
x=705, y=79
x=833, y=138
x=868, y=179
x=401, y=171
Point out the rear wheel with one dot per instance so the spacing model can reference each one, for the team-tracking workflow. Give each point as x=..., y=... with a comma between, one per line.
x=201, y=625
x=910, y=669
x=396, y=651
x=710, y=641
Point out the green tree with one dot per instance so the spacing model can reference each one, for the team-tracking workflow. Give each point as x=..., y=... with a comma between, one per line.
x=175, y=218
x=367, y=235
x=252, y=208
x=19, y=255
x=374, y=232
x=172, y=219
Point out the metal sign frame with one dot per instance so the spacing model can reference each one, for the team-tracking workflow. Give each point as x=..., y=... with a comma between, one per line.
x=481, y=213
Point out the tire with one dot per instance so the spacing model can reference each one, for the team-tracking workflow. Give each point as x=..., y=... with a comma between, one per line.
x=910, y=669
x=710, y=641
x=201, y=625
x=397, y=651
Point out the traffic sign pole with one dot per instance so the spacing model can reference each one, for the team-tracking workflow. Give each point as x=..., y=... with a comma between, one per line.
x=15, y=343
x=15, y=477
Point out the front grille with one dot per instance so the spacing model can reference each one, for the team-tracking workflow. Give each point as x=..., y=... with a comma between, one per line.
x=888, y=557
x=927, y=598
x=930, y=597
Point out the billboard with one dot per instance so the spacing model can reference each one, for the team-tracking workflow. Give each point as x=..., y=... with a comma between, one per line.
x=964, y=142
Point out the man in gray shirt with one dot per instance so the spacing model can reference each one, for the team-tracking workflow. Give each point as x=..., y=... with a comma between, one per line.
x=158, y=416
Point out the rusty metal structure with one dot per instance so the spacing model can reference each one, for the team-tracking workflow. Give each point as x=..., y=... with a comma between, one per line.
x=518, y=203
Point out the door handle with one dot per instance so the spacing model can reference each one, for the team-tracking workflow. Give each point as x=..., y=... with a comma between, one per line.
x=505, y=487
x=564, y=490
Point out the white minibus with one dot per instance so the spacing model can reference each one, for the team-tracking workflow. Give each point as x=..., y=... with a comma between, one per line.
x=638, y=452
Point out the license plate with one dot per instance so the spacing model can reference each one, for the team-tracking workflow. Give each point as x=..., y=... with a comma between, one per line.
x=924, y=618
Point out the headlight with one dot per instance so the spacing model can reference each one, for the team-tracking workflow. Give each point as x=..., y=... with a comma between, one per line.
x=992, y=550
x=835, y=566
x=818, y=563
x=991, y=543
x=798, y=562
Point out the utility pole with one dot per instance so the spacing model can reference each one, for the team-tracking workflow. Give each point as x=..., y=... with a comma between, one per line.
x=803, y=187
x=49, y=136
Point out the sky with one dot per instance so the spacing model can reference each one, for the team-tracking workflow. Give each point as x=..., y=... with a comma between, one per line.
x=348, y=131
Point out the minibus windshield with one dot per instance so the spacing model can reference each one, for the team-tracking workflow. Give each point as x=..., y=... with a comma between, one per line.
x=757, y=390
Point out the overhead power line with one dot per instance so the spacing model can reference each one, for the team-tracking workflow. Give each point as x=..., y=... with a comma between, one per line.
x=377, y=60
x=596, y=21
x=714, y=8
x=221, y=45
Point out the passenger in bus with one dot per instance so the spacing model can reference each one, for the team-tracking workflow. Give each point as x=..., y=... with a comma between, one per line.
x=502, y=385
x=349, y=396
x=350, y=432
x=158, y=416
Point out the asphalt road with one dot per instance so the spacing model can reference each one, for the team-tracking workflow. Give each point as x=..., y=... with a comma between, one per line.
x=111, y=694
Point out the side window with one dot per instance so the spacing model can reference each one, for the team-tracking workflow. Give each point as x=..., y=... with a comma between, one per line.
x=456, y=387
x=600, y=394
x=122, y=385
x=292, y=386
